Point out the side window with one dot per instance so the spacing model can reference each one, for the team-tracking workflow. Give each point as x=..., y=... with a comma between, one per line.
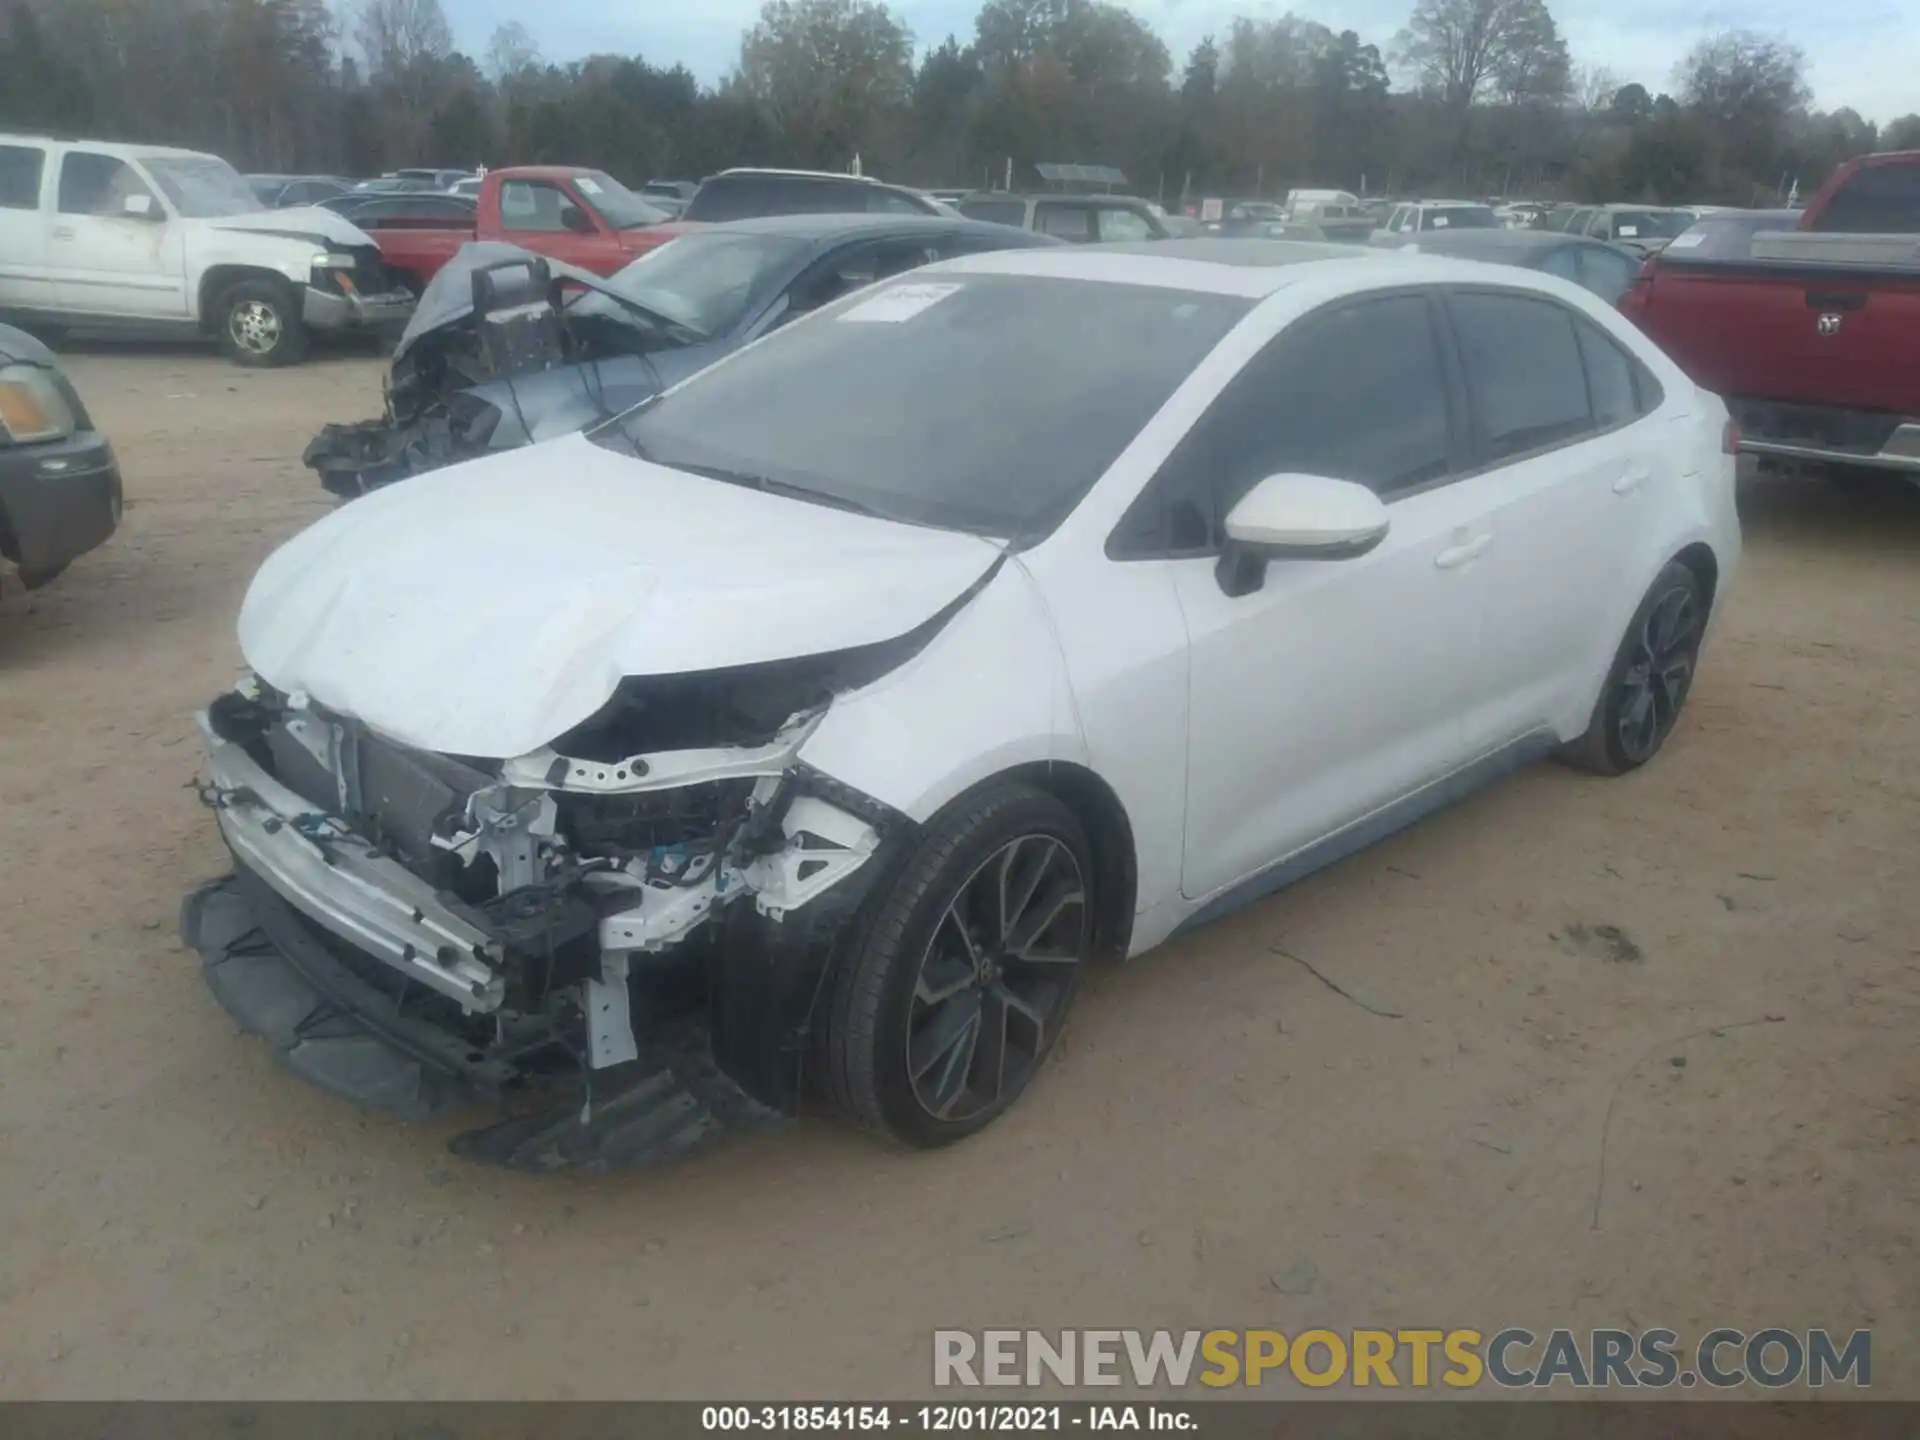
x=1604, y=273
x=1067, y=222
x=1609, y=378
x=888, y=202
x=99, y=185
x=997, y=212
x=535, y=205
x=1563, y=261
x=1524, y=375
x=21, y=167
x=821, y=197
x=1398, y=221
x=1577, y=224
x=719, y=200
x=1354, y=394
x=1124, y=225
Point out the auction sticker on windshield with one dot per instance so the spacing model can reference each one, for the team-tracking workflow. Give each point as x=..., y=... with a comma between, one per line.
x=902, y=302
x=587, y=184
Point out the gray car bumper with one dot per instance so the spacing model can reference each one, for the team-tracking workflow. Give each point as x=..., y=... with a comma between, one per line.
x=336, y=881
x=57, y=502
x=326, y=311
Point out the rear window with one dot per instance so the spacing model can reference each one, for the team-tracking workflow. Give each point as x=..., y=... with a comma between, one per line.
x=997, y=212
x=1877, y=200
x=988, y=403
x=1460, y=217
x=1650, y=224
x=1729, y=236
x=20, y=171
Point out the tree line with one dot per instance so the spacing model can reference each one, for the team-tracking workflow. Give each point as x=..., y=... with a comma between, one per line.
x=1469, y=97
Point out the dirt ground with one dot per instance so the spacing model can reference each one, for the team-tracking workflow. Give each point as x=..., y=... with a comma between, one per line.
x=1516, y=1125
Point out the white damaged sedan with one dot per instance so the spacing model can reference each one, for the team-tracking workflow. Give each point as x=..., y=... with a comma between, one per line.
x=807, y=730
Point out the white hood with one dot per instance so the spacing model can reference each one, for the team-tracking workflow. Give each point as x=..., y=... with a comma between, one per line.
x=304, y=222
x=487, y=608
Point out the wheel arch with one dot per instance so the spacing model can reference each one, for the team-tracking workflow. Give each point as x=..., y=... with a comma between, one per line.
x=1700, y=559
x=219, y=279
x=1109, y=830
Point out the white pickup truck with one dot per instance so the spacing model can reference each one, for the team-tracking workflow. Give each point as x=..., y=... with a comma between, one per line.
x=106, y=236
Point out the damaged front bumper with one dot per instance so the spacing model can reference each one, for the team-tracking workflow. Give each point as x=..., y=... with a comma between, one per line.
x=445, y=932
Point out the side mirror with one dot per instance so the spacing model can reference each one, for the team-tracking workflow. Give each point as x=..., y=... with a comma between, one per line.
x=1297, y=517
x=141, y=207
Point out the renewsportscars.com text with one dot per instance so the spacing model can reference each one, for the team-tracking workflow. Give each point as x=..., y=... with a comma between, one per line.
x=1512, y=1358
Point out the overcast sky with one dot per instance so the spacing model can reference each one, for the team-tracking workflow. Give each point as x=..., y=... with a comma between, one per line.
x=1863, y=53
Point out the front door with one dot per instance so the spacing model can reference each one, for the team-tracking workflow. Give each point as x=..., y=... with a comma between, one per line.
x=24, y=282
x=1339, y=686
x=113, y=248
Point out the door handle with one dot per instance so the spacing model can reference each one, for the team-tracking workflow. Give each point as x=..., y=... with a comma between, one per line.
x=1454, y=556
x=1632, y=480
x=63, y=232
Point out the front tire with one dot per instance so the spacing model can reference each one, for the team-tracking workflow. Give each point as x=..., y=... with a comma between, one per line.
x=1651, y=677
x=958, y=989
x=260, y=326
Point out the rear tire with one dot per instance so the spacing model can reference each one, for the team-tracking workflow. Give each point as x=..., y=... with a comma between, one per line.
x=260, y=326
x=1651, y=678
x=953, y=997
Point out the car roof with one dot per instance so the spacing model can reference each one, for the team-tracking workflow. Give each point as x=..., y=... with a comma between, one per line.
x=1244, y=253
x=836, y=226
x=1641, y=209
x=1503, y=240
x=755, y=170
x=1250, y=268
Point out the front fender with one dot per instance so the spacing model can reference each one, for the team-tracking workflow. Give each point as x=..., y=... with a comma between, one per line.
x=990, y=692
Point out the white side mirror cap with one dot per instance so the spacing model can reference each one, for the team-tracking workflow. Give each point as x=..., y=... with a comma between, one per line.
x=1308, y=517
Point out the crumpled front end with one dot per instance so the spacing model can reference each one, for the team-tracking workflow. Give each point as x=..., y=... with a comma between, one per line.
x=632, y=923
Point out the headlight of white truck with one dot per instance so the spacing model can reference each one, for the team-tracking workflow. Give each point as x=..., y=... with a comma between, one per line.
x=32, y=409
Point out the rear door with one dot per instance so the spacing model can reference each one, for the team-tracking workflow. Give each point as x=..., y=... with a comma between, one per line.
x=114, y=249
x=1574, y=471
x=25, y=283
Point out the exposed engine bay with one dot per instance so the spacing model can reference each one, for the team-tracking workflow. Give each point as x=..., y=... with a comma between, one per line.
x=496, y=312
x=645, y=889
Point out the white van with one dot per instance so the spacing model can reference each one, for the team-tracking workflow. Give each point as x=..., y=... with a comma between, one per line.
x=104, y=235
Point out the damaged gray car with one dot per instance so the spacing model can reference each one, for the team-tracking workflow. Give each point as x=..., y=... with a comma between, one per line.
x=508, y=348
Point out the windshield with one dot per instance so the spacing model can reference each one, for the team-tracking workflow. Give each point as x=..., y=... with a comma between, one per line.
x=988, y=403
x=618, y=205
x=706, y=282
x=1650, y=224
x=1460, y=217
x=201, y=187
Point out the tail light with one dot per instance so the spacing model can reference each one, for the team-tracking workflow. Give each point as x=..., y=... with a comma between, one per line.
x=1730, y=437
x=1634, y=298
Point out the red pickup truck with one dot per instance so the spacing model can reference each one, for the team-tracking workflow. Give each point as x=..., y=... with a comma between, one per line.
x=584, y=217
x=1809, y=331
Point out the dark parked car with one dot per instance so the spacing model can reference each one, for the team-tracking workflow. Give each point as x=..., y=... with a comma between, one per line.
x=617, y=341
x=389, y=209
x=59, y=482
x=1079, y=219
x=1604, y=269
x=744, y=194
x=281, y=192
x=678, y=191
